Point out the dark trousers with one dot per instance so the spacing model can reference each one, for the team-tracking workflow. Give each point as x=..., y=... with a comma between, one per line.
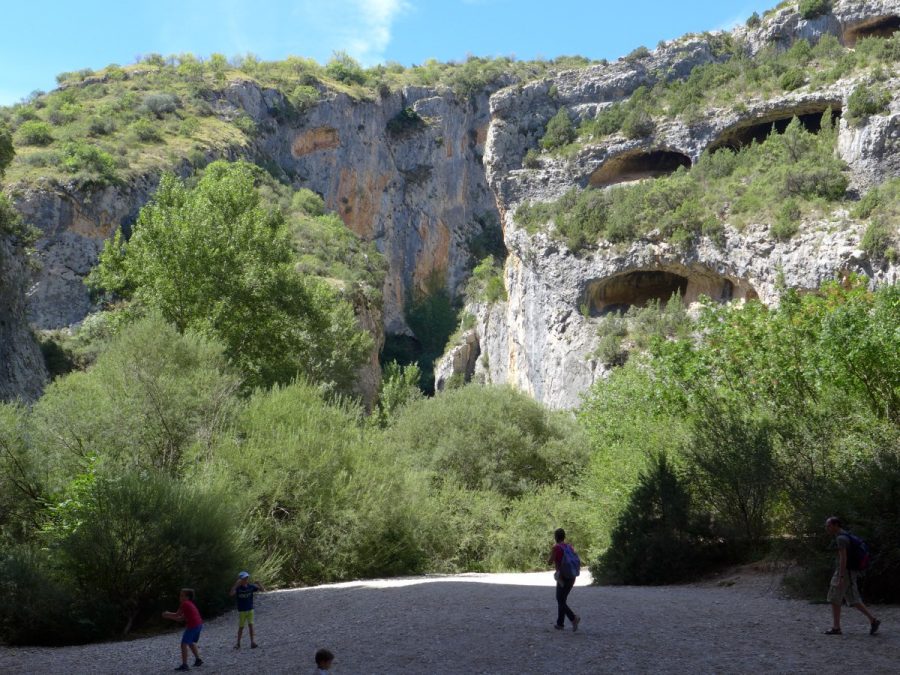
x=563, y=588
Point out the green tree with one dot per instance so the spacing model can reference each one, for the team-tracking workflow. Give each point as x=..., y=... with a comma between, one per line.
x=215, y=260
x=560, y=131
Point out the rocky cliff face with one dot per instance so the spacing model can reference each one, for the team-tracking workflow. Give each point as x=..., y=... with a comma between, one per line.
x=22, y=371
x=543, y=338
x=420, y=172
x=417, y=189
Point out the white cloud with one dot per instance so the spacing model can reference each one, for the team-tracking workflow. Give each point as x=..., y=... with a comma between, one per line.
x=362, y=28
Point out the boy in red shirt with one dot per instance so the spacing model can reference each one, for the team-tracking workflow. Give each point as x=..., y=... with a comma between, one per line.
x=188, y=612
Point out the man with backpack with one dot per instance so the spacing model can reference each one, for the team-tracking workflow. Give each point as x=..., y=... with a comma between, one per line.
x=568, y=566
x=852, y=559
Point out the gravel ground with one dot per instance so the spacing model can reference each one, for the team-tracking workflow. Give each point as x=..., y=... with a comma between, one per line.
x=503, y=623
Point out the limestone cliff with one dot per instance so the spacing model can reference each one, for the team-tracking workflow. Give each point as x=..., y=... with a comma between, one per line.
x=420, y=171
x=22, y=371
x=543, y=338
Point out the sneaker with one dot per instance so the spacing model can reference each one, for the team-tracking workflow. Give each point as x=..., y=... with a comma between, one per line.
x=873, y=627
x=253, y=645
x=558, y=627
x=198, y=662
x=237, y=646
x=575, y=622
x=183, y=666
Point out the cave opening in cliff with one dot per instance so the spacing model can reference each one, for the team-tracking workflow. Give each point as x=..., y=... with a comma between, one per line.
x=879, y=27
x=638, y=166
x=759, y=131
x=637, y=288
x=634, y=289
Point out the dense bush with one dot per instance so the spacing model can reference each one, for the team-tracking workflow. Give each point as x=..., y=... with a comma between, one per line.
x=486, y=283
x=560, y=131
x=34, y=132
x=146, y=131
x=810, y=9
x=97, y=166
x=660, y=537
x=512, y=446
x=407, y=121
x=118, y=550
x=865, y=101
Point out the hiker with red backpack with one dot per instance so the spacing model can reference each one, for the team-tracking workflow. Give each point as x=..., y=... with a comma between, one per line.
x=568, y=566
x=852, y=559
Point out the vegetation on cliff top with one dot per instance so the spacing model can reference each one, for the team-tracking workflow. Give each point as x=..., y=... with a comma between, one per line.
x=778, y=181
x=107, y=126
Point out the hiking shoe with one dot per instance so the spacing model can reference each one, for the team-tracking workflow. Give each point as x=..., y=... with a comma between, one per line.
x=575, y=622
x=873, y=627
x=558, y=627
x=253, y=645
x=198, y=662
x=833, y=631
x=183, y=666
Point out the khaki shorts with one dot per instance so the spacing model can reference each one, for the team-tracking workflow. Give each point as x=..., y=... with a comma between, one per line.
x=848, y=592
x=245, y=617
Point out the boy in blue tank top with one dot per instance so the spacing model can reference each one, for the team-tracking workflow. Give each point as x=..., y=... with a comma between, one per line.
x=243, y=590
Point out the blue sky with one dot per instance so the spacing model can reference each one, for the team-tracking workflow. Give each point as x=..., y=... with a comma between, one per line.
x=46, y=38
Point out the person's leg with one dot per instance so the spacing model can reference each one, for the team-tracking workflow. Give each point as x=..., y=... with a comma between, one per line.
x=862, y=608
x=835, y=615
x=194, y=650
x=560, y=604
x=184, y=649
x=240, y=635
x=252, y=636
x=570, y=583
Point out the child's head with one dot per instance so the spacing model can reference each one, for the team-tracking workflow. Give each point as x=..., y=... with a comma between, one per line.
x=244, y=578
x=324, y=659
x=187, y=594
x=560, y=535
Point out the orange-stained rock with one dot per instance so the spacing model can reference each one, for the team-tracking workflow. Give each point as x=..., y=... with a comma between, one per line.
x=323, y=138
x=357, y=202
x=434, y=258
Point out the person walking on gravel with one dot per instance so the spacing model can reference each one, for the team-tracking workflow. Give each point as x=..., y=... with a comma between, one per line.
x=568, y=566
x=844, y=584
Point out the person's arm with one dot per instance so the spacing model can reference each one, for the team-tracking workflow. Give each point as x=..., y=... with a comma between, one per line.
x=842, y=564
x=259, y=587
x=175, y=616
x=233, y=590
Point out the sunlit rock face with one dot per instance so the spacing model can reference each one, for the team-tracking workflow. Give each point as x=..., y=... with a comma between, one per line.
x=543, y=339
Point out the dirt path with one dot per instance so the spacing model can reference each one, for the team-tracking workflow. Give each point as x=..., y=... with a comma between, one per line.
x=503, y=623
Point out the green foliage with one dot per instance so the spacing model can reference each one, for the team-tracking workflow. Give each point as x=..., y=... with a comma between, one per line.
x=880, y=241
x=777, y=180
x=792, y=79
x=638, y=53
x=160, y=104
x=560, y=131
x=660, y=537
x=117, y=551
x=7, y=151
x=91, y=163
x=810, y=9
x=754, y=20
x=34, y=132
x=405, y=122
x=432, y=315
x=146, y=131
x=151, y=396
x=212, y=259
x=531, y=159
x=344, y=68
x=512, y=446
x=865, y=101
x=399, y=387
x=486, y=283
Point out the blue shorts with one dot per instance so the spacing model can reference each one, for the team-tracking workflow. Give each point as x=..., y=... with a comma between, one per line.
x=191, y=635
